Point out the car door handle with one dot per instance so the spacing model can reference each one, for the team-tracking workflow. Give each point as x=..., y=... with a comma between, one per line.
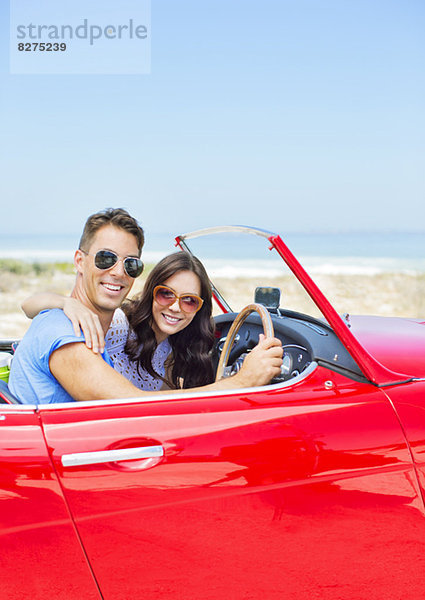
x=107, y=456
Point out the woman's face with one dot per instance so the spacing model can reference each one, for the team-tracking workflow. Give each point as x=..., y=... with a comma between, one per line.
x=171, y=319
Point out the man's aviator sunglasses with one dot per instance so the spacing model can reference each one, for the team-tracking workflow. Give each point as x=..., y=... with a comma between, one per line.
x=106, y=259
x=165, y=296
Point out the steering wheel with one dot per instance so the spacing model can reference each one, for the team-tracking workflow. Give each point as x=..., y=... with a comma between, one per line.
x=266, y=322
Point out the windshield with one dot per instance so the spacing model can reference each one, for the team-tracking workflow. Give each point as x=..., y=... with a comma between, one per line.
x=238, y=263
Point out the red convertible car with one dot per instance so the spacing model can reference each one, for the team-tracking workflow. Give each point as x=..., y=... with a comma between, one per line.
x=310, y=487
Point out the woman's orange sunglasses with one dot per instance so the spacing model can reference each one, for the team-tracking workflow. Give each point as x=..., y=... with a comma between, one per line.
x=165, y=296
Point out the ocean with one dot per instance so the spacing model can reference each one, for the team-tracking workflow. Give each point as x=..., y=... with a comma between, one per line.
x=324, y=253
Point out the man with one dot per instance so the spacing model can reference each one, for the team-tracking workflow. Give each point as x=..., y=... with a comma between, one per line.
x=52, y=364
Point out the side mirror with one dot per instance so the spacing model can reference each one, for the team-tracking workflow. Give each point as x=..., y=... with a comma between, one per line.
x=268, y=297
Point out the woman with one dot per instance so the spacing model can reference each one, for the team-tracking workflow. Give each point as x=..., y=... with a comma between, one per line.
x=161, y=339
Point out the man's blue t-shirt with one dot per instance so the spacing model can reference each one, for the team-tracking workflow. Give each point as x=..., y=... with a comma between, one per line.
x=30, y=378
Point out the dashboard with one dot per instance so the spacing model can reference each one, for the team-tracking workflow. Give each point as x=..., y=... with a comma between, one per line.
x=304, y=339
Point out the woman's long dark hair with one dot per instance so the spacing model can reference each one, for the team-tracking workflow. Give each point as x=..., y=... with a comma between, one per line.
x=192, y=345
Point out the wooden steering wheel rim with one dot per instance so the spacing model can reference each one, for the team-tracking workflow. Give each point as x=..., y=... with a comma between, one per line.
x=236, y=325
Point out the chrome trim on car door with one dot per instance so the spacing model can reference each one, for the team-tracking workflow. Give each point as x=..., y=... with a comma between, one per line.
x=108, y=456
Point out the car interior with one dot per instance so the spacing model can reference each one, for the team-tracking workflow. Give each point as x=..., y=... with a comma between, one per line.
x=304, y=339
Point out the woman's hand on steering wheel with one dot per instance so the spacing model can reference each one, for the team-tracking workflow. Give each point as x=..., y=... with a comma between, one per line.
x=263, y=362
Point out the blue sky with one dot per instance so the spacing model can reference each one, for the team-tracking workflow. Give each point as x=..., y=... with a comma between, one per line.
x=301, y=115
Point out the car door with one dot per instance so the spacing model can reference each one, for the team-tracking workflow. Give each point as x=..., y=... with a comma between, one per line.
x=41, y=555
x=264, y=493
x=409, y=402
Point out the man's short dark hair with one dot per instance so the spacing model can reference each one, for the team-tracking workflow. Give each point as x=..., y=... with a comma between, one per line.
x=118, y=217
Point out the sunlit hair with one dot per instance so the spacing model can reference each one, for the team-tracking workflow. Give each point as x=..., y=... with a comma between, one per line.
x=118, y=217
x=192, y=345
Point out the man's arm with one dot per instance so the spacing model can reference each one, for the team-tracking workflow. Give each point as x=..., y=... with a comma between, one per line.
x=40, y=301
x=86, y=376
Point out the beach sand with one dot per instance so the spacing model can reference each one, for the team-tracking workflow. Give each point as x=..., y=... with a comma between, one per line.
x=386, y=294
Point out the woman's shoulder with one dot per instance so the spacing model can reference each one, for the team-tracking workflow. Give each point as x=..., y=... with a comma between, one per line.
x=118, y=330
x=119, y=319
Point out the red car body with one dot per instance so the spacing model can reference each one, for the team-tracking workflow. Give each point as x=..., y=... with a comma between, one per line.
x=312, y=487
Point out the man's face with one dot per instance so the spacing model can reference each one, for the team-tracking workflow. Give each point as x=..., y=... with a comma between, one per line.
x=105, y=290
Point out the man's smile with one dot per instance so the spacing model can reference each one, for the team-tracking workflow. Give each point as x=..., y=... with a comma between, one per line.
x=112, y=287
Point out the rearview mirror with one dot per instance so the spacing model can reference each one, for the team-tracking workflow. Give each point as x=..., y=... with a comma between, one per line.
x=267, y=296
